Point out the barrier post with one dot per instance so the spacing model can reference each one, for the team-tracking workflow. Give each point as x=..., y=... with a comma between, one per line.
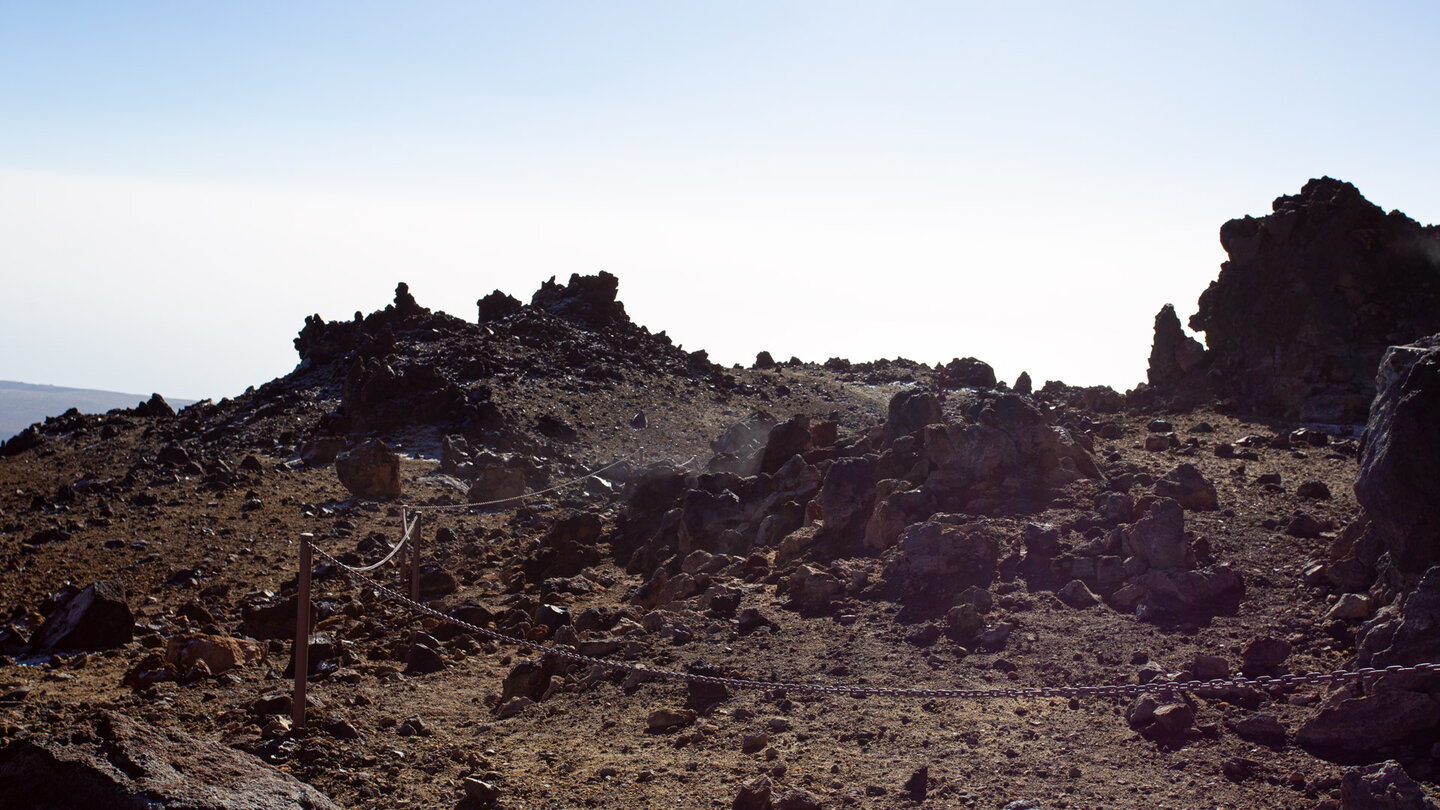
x=415, y=560
x=302, y=630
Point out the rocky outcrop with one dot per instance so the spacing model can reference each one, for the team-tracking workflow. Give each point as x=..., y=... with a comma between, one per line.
x=1176, y=360
x=1398, y=483
x=587, y=300
x=1309, y=300
x=122, y=763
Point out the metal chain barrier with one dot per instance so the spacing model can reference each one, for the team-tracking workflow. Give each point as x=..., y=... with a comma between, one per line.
x=1265, y=683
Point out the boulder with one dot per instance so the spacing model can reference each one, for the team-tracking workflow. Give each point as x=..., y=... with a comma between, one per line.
x=786, y=440
x=1186, y=484
x=1178, y=593
x=497, y=305
x=123, y=763
x=1159, y=538
x=965, y=372
x=370, y=469
x=1349, y=725
x=496, y=482
x=217, y=653
x=909, y=412
x=937, y=559
x=1381, y=786
x=1010, y=459
x=1311, y=297
x=846, y=498
x=321, y=450
x=1398, y=481
x=96, y=618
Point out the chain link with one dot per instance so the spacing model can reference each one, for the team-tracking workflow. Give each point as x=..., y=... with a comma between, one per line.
x=1263, y=683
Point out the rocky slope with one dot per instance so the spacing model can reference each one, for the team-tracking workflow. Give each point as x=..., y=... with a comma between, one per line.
x=875, y=525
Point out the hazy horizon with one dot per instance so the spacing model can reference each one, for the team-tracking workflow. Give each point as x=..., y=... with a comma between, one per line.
x=1027, y=184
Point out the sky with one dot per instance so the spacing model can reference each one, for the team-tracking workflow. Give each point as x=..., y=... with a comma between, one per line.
x=1025, y=182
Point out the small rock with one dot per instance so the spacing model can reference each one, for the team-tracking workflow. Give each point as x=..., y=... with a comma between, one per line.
x=1077, y=595
x=754, y=795
x=1305, y=526
x=1351, y=606
x=1383, y=786
x=1314, y=489
x=1263, y=655
x=481, y=792
x=1262, y=728
x=666, y=719
x=918, y=784
x=512, y=707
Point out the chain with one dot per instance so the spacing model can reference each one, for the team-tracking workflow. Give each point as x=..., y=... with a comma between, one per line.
x=1265, y=683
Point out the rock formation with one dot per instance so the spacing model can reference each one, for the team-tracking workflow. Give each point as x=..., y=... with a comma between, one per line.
x=123, y=763
x=1311, y=297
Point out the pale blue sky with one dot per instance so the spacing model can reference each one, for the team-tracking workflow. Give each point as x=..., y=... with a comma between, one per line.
x=181, y=183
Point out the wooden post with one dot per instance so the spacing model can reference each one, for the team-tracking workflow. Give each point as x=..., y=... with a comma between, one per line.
x=302, y=630
x=415, y=560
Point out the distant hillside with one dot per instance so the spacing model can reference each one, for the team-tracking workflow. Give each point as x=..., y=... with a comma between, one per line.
x=22, y=404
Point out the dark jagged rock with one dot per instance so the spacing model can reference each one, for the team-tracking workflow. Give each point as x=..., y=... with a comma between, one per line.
x=156, y=406
x=1398, y=483
x=1311, y=297
x=96, y=618
x=122, y=763
x=1176, y=360
x=966, y=371
x=586, y=300
x=497, y=305
x=370, y=469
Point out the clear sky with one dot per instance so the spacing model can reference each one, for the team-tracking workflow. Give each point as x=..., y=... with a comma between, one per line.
x=181, y=183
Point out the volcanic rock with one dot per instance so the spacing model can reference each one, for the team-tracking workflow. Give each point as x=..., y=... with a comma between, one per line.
x=1187, y=485
x=1311, y=297
x=370, y=469
x=910, y=411
x=497, y=305
x=587, y=300
x=963, y=372
x=1382, y=786
x=124, y=763
x=96, y=618
x=936, y=559
x=1159, y=538
x=218, y=653
x=1174, y=355
x=1398, y=483
x=1010, y=459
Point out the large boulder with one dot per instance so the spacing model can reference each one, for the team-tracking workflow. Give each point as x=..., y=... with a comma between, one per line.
x=909, y=412
x=965, y=372
x=370, y=469
x=96, y=618
x=118, y=762
x=1398, y=482
x=939, y=558
x=1010, y=459
x=1311, y=297
x=1159, y=537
